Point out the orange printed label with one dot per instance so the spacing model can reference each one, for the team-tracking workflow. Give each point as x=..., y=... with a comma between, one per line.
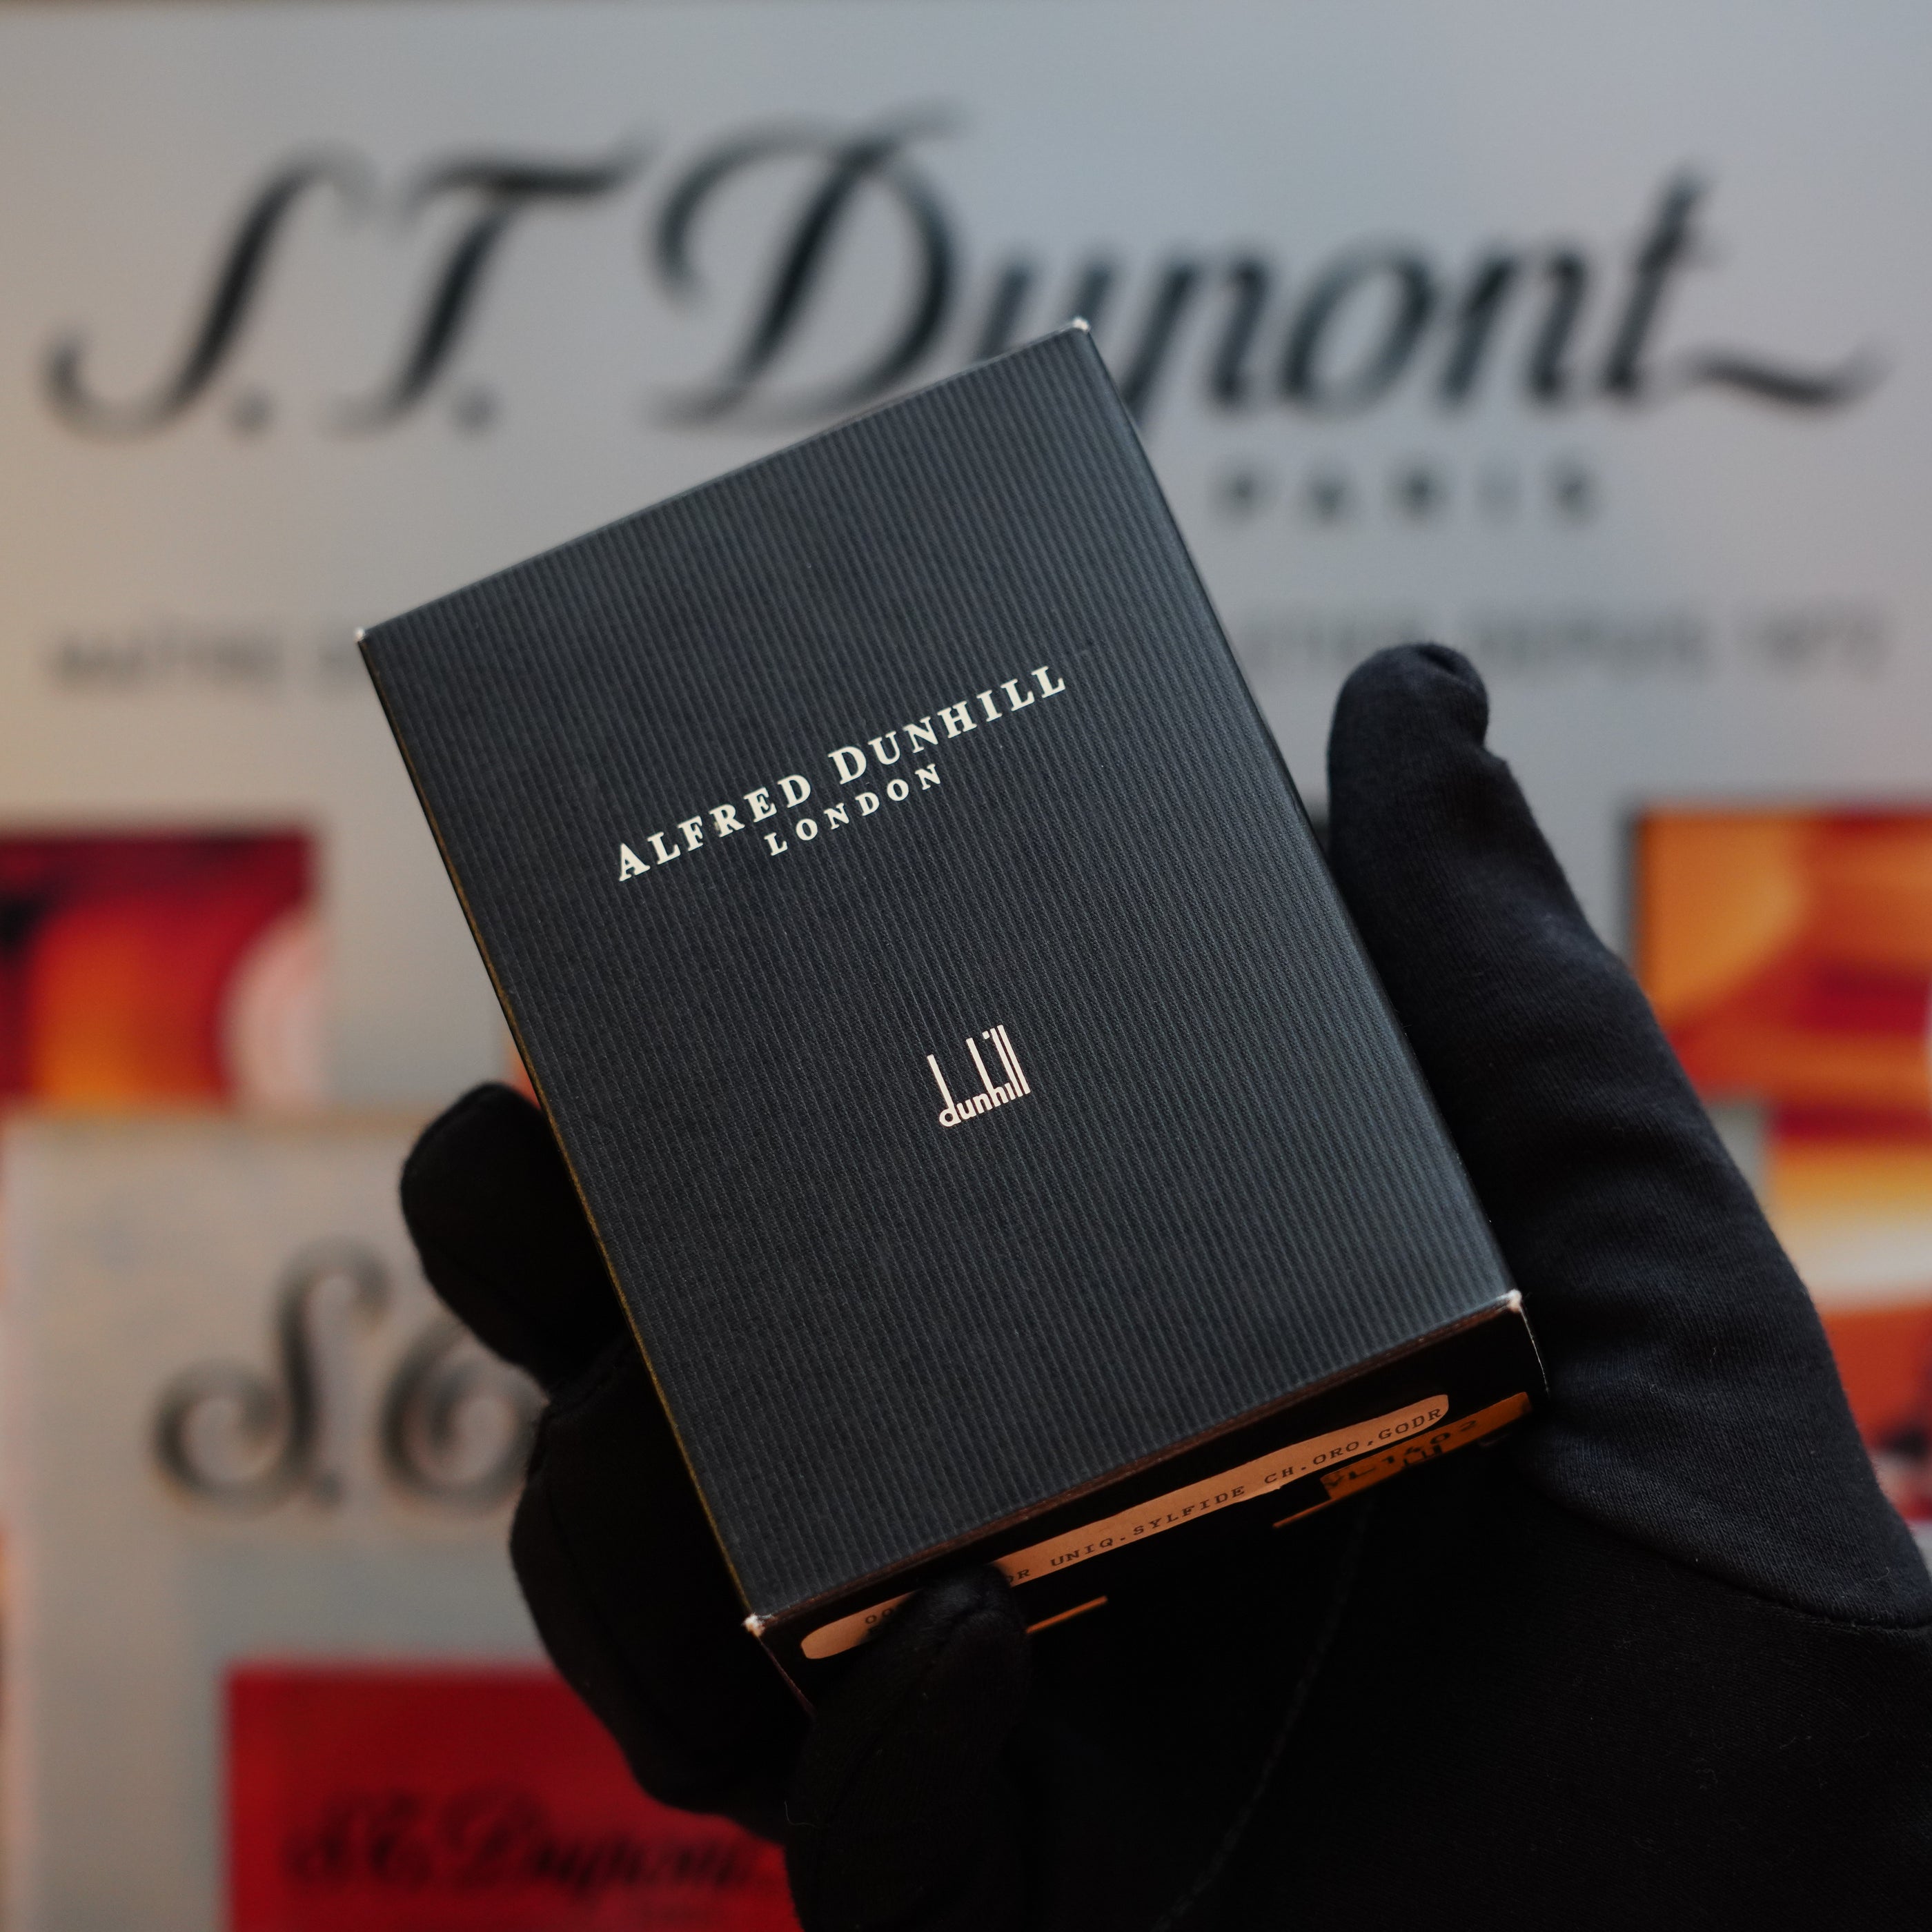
x=1371, y=1470
x=1278, y=1467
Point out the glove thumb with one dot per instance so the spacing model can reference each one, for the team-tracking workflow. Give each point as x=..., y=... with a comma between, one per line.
x=902, y=1813
x=1694, y=1406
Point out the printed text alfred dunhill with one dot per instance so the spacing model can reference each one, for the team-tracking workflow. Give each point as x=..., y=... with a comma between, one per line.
x=850, y=763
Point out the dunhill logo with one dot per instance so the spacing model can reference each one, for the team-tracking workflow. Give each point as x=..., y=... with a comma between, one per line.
x=1237, y=329
x=1015, y=1087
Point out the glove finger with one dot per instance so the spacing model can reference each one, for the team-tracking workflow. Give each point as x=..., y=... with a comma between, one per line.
x=629, y=1590
x=902, y=1813
x=490, y=1205
x=1692, y=1401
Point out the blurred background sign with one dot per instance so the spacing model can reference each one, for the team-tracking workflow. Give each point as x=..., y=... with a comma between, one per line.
x=388, y=1799
x=157, y=966
x=1788, y=953
x=1594, y=341
x=260, y=1623
x=1597, y=342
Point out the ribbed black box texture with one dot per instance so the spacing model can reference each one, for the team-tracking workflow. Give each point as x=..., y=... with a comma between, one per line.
x=990, y=1121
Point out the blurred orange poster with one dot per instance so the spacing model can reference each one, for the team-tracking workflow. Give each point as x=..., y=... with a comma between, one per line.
x=1788, y=955
x=429, y=1798
x=149, y=966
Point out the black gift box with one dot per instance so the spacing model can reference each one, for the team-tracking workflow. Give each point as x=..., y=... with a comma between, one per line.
x=1000, y=1144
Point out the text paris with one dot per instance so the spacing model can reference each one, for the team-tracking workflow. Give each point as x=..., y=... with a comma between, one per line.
x=840, y=809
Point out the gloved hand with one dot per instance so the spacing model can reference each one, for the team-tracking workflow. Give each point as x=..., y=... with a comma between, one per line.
x=1665, y=1658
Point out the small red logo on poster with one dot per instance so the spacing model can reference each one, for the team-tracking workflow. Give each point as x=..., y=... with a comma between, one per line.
x=373, y=1798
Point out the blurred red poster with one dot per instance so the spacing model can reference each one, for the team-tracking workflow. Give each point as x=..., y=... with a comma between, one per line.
x=143, y=966
x=424, y=1799
x=1789, y=954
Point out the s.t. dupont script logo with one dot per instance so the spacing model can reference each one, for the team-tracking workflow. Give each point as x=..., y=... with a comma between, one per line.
x=1220, y=324
x=453, y=1428
x=1015, y=1087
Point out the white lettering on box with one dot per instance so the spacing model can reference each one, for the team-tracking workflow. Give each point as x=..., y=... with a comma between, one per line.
x=1015, y=1087
x=850, y=764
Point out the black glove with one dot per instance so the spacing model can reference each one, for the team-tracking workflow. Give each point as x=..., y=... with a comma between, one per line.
x=1665, y=1659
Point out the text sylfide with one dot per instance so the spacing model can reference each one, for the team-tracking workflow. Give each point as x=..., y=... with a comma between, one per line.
x=850, y=763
